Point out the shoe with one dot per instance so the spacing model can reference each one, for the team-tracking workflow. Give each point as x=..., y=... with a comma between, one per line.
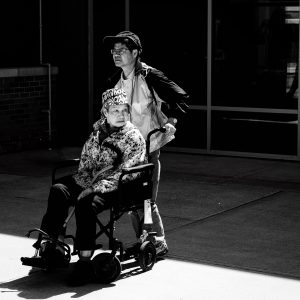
x=49, y=257
x=54, y=256
x=161, y=248
x=82, y=273
x=35, y=262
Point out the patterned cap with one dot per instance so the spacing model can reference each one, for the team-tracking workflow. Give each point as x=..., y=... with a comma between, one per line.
x=114, y=96
x=123, y=36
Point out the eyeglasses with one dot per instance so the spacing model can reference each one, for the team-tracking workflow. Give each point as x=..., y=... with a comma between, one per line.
x=120, y=51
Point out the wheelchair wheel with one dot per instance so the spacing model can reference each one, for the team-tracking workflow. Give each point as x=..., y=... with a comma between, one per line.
x=107, y=267
x=147, y=256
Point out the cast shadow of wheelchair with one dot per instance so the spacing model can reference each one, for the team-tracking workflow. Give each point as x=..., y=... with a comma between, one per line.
x=40, y=284
x=132, y=268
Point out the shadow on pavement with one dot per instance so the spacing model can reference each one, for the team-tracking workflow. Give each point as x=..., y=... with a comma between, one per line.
x=41, y=284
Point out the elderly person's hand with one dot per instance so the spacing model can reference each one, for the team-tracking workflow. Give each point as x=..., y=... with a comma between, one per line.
x=85, y=193
x=97, y=200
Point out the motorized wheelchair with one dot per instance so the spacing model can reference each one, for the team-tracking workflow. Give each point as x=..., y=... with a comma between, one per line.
x=131, y=196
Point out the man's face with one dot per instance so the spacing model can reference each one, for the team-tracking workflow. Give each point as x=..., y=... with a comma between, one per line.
x=122, y=56
x=117, y=115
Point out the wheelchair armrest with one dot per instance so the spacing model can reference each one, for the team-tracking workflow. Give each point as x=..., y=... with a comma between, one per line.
x=64, y=164
x=141, y=168
x=136, y=169
x=67, y=163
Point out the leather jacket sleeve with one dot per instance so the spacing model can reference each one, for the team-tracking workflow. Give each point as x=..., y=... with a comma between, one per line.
x=174, y=96
x=170, y=92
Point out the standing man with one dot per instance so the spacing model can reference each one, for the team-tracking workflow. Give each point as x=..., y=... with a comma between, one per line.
x=147, y=89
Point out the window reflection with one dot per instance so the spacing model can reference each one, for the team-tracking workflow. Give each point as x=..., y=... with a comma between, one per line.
x=254, y=132
x=255, y=76
x=255, y=53
x=292, y=20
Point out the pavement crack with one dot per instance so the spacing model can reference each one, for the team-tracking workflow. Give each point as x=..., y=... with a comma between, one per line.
x=265, y=197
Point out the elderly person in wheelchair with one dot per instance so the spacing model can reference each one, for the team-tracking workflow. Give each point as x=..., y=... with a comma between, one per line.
x=114, y=144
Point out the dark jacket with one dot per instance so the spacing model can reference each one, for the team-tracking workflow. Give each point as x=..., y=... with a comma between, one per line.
x=174, y=96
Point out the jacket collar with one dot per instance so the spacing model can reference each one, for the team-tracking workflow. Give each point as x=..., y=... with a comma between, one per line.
x=142, y=68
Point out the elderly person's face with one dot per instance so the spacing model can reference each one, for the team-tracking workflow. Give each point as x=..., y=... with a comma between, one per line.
x=117, y=115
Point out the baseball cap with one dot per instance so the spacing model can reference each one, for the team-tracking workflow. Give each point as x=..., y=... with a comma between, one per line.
x=123, y=36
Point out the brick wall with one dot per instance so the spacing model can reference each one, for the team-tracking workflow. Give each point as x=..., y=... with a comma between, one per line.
x=24, y=101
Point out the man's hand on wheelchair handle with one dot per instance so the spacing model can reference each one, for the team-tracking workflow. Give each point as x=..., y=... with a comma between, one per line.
x=170, y=129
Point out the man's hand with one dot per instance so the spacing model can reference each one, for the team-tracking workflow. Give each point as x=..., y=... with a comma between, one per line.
x=85, y=193
x=170, y=129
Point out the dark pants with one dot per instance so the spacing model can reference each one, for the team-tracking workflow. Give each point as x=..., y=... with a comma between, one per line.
x=86, y=213
x=62, y=196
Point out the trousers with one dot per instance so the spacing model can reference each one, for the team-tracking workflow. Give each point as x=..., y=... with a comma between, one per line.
x=62, y=196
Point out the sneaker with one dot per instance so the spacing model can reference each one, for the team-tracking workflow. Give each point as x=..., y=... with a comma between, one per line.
x=161, y=248
x=82, y=273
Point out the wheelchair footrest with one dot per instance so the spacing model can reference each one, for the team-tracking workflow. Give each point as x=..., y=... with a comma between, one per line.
x=98, y=246
x=37, y=262
x=131, y=251
x=43, y=263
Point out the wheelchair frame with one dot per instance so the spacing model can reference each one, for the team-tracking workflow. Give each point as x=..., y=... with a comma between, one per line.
x=107, y=266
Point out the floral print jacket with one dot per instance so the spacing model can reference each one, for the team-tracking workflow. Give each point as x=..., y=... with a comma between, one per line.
x=105, y=154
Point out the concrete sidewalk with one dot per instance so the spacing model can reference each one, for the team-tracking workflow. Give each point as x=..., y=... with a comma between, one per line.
x=193, y=188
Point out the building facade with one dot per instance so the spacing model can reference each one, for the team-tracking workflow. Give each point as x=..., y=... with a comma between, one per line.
x=238, y=59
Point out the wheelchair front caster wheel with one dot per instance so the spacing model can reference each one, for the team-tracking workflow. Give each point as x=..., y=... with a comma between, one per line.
x=107, y=267
x=147, y=256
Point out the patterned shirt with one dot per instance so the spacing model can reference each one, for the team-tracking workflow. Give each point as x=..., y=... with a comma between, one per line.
x=104, y=155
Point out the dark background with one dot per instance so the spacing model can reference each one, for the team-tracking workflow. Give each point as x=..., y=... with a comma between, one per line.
x=65, y=45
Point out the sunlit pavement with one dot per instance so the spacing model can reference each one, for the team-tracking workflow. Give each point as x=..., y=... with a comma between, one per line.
x=211, y=184
x=169, y=279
